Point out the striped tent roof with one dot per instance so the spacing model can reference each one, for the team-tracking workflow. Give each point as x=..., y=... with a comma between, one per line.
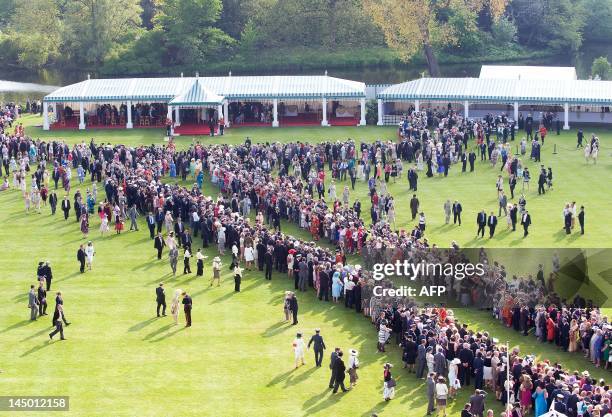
x=501, y=90
x=232, y=87
x=197, y=95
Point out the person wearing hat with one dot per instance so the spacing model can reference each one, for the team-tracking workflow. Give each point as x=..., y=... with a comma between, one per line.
x=388, y=382
x=431, y=392
x=338, y=373
x=293, y=307
x=298, y=349
x=216, y=267
x=187, y=307
x=319, y=346
x=558, y=405
x=441, y=395
x=160, y=298
x=352, y=367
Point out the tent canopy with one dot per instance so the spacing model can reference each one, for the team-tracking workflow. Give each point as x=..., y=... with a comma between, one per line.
x=527, y=72
x=501, y=91
x=231, y=88
x=197, y=95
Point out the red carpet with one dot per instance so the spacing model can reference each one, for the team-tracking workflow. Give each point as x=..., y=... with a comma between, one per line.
x=193, y=129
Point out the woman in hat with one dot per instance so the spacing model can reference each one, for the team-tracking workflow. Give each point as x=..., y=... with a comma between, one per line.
x=216, y=267
x=287, y=305
x=299, y=347
x=388, y=383
x=200, y=263
x=453, y=380
x=237, y=276
x=353, y=364
x=174, y=307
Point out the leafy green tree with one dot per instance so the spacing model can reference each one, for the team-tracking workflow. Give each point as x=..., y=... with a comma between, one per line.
x=95, y=27
x=553, y=24
x=597, y=23
x=189, y=32
x=35, y=27
x=601, y=68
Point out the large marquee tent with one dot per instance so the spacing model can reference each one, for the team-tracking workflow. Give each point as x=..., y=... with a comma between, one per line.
x=580, y=94
x=181, y=92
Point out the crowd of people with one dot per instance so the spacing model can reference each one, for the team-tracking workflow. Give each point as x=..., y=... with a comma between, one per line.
x=287, y=182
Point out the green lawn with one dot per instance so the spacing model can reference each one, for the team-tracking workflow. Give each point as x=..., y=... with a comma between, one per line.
x=237, y=360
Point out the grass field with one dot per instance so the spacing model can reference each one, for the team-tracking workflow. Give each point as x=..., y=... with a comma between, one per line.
x=119, y=360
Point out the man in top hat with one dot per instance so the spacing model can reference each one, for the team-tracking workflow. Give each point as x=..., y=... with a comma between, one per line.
x=319, y=346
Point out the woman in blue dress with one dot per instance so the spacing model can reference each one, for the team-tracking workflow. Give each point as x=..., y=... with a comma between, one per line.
x=440, y=164
x=172, y=169
x=200, y=179
x=539, y=396
x=336, y=286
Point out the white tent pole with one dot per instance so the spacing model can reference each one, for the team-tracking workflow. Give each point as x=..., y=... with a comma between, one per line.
x=380, y=112
x=324, y=112
x=177, y=116
x=466, y=108
x=226, y=113
x=129, y=124
x=275, y=113
x=417, y=105
x=81, y=116
x=566, y=116
x=362, y=121
x=45, y=115
x=516, y=112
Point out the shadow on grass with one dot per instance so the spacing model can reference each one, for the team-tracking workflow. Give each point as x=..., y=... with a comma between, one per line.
x=158, y=331
x=280, y=378
x=276, y=329
x=326, y=401
x=36, y=348
x=142, y=324
x=22, y=323
x=294, y=380
x=37, y=334
x=167, y=335
x=67, y=277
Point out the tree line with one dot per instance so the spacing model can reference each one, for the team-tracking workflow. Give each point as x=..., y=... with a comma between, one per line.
x=160, y=36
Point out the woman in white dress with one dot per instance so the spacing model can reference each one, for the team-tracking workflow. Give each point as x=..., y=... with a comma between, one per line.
x=453, y=381
x=429, y=358
x=299, y=347
x=175, y=306
x=89, y=253
x=419, y=159
x=169, y=222
x=249, y=257
x=104, y=224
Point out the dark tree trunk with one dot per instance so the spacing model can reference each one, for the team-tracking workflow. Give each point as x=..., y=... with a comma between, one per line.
x=432, y=61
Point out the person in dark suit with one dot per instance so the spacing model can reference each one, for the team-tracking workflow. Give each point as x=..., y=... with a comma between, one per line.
x=159, y=245
x=526, y=222
x=319, y=347
x=466, y=411
x=492, y=223
x=53, y=202
x=59, y=302
x=581, y=219
x=567, y=221
x=268, y=262
x=477, y=403
x=463, y=161
x=58, y=319
x=81, y=258
x=558, y=405
x=66, y=207
x=512, y=183
x=472, y=159
x=541, y=182
x=187, y=306
x=414, y=206
x=179, y=231
x=324, y=282
x=466, y=356
x=160, y=297
x=339, y=370
x=293, y=304
x=457, y=209
x=481, y=221
x=151, y=224
x=332, y=361
x=42, y=299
